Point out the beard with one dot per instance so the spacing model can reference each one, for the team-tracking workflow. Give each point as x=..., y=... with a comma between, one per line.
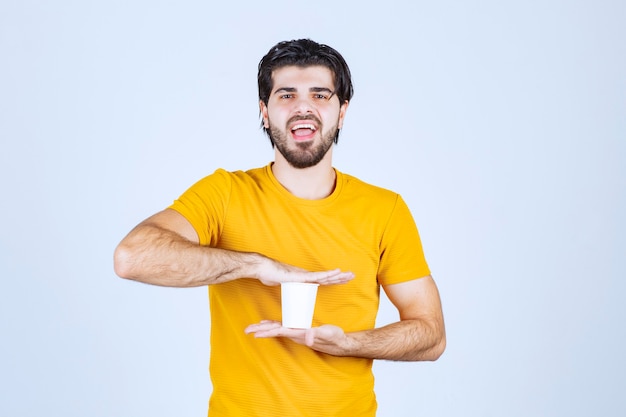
x=306, y=154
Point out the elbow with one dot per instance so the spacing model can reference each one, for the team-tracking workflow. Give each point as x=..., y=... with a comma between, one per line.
x=439, y=345
x=122, y=264
x=435, y=348
x=438, y=349
x=430, y=354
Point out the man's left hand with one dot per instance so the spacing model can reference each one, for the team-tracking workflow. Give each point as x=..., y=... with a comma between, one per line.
x=326, y=338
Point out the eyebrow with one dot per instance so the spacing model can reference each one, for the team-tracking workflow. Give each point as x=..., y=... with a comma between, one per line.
x=312, y=90
x=285, y=90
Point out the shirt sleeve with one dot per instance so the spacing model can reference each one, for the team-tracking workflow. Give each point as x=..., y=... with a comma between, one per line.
x=204, y=205
x=402, y=255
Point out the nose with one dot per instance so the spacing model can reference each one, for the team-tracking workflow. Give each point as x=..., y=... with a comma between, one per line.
x=303, y=105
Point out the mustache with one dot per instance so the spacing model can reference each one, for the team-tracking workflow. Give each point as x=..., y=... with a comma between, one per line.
x=306, y=117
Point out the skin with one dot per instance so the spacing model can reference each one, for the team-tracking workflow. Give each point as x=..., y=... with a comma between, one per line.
x=164, y=249
x=297, y=93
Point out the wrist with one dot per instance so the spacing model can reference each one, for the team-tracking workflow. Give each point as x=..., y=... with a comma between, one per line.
x=256, y=265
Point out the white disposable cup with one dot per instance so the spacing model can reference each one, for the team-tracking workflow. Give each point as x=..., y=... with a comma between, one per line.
x=298, y=304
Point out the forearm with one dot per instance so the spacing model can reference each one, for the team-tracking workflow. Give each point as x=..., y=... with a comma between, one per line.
x=406, y=340
x=158, y=256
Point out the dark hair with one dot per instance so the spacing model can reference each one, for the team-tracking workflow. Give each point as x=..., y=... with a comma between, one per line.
x=304, y=53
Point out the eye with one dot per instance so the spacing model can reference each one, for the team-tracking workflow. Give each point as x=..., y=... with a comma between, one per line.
x=320, y=96
x=285, y=96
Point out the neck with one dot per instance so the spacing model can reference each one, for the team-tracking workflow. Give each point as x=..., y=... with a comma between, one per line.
x=311, y=183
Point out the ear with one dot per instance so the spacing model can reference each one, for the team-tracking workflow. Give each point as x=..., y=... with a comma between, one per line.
x=342, y=113
x=263, y=110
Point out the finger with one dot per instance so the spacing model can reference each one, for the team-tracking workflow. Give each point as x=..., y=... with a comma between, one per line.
x=266, y=333
x=280, y=332
x=309, y=337
x=262, y=326
x=331, y=277
x=338, y=279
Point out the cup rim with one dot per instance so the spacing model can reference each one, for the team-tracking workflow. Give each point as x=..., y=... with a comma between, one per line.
x=300, y=283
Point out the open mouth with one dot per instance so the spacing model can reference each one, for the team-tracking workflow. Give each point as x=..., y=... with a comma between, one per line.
x=303, y=131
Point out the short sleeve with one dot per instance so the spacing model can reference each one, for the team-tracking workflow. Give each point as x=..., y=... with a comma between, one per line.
x=204, y=205
x=402, y=255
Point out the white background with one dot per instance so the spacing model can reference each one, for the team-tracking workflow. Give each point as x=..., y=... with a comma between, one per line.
x=503, y=125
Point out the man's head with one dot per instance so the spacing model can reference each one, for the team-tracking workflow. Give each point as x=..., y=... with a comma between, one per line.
x=304, y=53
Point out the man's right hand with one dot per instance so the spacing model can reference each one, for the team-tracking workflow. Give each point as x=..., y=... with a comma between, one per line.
x=272, y=272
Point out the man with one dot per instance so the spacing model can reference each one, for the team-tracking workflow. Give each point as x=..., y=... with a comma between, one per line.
x=296, y=219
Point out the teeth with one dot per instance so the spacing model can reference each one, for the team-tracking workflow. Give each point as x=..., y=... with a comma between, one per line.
x=303, y=126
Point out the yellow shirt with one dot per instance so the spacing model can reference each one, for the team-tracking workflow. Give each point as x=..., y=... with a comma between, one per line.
x=359, y=227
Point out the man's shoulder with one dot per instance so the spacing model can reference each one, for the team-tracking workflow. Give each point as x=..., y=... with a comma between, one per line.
x=358, y=185
x=252, y=174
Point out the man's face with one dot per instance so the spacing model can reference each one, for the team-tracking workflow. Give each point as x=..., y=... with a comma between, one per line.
x=303, y=114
